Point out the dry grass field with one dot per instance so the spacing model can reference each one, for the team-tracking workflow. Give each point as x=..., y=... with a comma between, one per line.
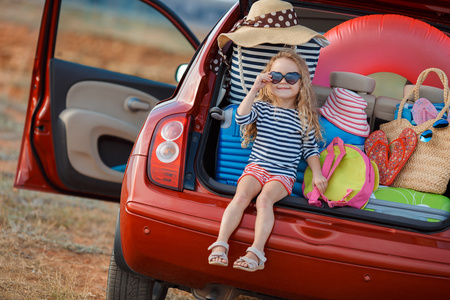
x=52, y=247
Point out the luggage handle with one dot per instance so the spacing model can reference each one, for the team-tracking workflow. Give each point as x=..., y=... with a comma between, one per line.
x=217, y=113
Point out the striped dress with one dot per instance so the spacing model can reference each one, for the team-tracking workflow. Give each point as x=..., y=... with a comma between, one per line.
x=279, y=143
x=255, y=59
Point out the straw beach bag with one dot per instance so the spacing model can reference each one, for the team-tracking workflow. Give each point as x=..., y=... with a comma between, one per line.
x=428, y=168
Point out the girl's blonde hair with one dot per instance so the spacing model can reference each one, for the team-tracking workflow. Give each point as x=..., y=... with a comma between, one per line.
x=305, y=102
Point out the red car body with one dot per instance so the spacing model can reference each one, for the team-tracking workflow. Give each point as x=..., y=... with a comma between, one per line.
x=165, y=225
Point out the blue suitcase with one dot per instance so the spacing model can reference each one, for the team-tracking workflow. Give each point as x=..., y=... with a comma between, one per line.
x=231, y=157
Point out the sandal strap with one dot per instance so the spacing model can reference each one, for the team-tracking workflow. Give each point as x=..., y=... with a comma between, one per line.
x=219, y=244
x=259, y=254
x=252, y=264
x=220, y=255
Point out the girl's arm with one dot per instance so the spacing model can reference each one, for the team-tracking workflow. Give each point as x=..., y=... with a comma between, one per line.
x=246, y=105
x=317, y=179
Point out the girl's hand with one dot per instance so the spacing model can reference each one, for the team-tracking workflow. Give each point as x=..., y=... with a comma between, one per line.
x=320, y=181
x=317, y=178
x=246, y=105
x=261, y=81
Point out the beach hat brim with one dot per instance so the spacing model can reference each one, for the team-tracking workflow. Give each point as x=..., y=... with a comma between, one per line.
x=250, y=36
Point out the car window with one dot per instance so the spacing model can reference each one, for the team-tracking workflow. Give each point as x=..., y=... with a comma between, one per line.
x=129, y=37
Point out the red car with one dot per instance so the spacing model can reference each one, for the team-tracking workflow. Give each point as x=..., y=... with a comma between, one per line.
x=101, y=100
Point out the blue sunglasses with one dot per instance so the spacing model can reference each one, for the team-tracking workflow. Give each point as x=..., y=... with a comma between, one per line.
x=291, y=77
x=428, y=134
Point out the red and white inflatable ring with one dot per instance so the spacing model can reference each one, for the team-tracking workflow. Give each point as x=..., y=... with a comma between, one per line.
x=385, y=43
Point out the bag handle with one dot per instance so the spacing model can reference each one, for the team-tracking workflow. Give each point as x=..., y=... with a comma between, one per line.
x=241, y=70
x=328, y=167
x=443, y=77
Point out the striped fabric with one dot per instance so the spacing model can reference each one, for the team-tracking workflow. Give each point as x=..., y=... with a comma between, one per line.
x=254, y=60
x=264, y=177
x=345, y=109
x=279, y=143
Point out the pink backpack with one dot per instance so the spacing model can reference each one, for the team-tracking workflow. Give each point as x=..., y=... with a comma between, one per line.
x=352, y=177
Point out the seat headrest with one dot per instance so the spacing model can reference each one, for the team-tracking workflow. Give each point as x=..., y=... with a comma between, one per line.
x=433, y=94
x=352, y=81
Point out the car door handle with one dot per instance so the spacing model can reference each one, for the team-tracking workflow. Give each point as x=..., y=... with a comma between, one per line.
x=134, y=104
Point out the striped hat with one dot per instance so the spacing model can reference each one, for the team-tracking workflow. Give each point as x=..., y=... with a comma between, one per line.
x=345, y=109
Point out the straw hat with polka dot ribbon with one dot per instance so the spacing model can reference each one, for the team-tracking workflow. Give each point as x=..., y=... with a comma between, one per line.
x=270, y=21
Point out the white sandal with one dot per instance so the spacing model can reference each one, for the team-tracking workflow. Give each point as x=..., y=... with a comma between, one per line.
x=219, y=255
x=252, y=265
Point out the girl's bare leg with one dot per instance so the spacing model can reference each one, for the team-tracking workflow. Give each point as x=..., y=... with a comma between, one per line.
x=247, y=189
x=271, y=193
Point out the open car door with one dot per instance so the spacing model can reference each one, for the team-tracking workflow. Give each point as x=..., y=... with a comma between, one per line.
x=100, y=67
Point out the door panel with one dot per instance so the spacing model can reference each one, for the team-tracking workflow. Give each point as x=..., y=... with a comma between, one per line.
x=105, y=73
x=83, y=153
x=102, y=112
x=91, y=108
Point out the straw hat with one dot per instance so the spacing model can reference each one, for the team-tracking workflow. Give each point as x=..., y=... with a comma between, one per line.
x=345, y=109
x=270, y=21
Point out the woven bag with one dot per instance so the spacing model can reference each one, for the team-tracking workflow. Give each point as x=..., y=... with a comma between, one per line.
x=428, y=168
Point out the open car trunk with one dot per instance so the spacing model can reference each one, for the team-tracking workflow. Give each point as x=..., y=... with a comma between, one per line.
x=378, y=211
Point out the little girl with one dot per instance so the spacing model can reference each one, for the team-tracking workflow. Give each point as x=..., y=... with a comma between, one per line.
x=283, y=126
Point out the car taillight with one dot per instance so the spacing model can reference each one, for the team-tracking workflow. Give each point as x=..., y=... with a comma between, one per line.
x=167, y=152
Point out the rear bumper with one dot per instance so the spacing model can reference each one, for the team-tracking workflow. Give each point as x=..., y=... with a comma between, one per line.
x=164, y=236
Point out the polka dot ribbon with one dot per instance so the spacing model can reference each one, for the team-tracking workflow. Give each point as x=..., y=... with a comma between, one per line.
x=278, y=19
